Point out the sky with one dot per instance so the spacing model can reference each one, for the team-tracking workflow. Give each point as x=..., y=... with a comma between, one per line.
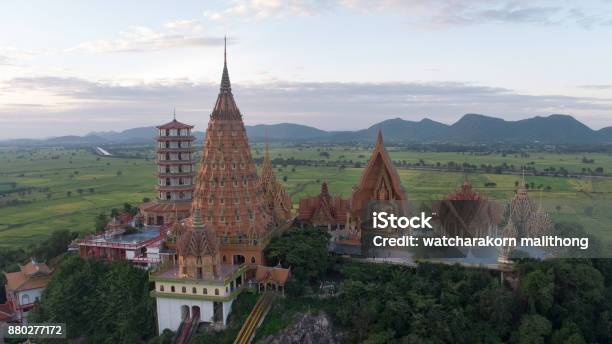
x=74, y=67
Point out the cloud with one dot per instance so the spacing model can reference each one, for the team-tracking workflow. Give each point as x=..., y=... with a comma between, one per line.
x=262, y=9
x=434, y=13
x=83, y=105
x=596, y=87
x=144, y=39
x=181, y=24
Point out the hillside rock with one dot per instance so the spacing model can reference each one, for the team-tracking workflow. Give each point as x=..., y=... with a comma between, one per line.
x=307, y=329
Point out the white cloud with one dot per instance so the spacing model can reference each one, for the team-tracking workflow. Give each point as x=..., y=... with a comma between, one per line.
x=181, y=24
x=142, y=39
x=435, y=13
x=262, y=9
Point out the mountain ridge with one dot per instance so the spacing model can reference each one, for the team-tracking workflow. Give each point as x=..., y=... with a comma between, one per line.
x=470, y=128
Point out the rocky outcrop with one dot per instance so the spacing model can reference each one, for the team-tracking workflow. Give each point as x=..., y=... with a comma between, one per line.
x=307, y=329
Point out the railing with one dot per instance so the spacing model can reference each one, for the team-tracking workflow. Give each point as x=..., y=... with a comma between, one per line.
x=255, y=318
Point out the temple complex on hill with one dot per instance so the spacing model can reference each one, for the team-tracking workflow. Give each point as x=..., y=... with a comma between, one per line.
x=208, y=258
x=175, y=174
x=23, y=288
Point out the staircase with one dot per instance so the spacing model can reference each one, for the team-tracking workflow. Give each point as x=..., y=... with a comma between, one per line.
x=187, y=328
x=247, y=332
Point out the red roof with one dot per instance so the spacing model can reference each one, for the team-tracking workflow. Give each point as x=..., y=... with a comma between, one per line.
x=175, y=125
x=6, y=312
x=278, y=275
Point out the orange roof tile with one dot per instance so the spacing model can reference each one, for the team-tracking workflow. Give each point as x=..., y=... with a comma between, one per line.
x=276, y=274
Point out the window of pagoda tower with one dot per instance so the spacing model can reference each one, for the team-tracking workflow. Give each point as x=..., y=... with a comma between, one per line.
x=211, y=199
x=184, y=290
x=180, y=168
x=209, y=216
x=222, y=200
x=205, y=291
x=168, y=196
x=181, y=182
x=194, y=290
x=172, y=289
x=182, y=195
x=167, y=132
x=167, y=144
x=167, y=156
x=167, y=181
x=180, y=156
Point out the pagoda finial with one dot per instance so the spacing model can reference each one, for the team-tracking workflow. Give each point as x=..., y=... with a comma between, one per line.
x=174, y=114
x=379, y=138
x=226, y=87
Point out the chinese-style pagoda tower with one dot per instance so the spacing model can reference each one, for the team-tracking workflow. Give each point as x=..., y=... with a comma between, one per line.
x=175, y=174
x=275, y=197
x=379, y=182
x=227, y=189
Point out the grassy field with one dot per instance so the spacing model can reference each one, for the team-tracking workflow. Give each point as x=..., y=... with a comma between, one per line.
x=53, y=189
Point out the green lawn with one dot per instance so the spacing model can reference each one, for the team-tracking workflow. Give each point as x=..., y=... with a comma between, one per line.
x=41, y=178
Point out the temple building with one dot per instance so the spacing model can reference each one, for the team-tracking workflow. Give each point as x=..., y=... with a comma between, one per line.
x=208, y=258
x=175, y=174
x=323, y=210
x=200, y=287
x=379, y=182
x=466, y=213
x=228, y=188
x=23, y=289
x=276, y=199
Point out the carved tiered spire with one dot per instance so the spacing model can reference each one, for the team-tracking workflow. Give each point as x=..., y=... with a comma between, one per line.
x=226, y=86
x=227, y=189
x=225, y=107
x=277, y=200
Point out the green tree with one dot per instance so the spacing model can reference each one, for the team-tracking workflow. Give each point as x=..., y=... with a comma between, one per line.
x=534, y=329
x=538, y=288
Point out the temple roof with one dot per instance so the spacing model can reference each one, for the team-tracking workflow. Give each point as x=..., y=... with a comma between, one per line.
x=174, y=124
x=379, y=180
x=464, y=193
x=30, y=276
x=199, y=241
x=323, y=208
x=275, y=274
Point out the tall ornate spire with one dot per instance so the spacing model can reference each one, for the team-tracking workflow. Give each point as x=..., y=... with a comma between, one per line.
x=226, y=86
x=225, y=107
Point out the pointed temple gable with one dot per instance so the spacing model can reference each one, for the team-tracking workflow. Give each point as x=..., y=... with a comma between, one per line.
x=379, y=180
x=276, y=198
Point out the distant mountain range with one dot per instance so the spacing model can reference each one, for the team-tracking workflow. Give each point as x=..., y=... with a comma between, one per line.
x=471, y=128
